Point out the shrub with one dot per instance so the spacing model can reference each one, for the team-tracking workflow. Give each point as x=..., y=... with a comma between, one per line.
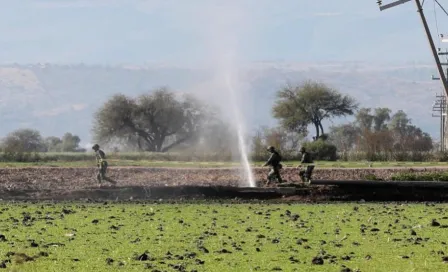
x=321, y=150
x=441, y=156
x=20, y=157
x=371, y=177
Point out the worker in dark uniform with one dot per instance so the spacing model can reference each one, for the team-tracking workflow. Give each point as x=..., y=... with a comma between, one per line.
x=305, y=175
x=274, y=161
x=102, y=164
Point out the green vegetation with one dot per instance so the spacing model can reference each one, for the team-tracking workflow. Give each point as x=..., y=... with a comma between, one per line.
x=435, y=176
x=176, y=160
x=310, y=103
x=157, y=121
x=183, y=128
x=30, y=140
x=223, y=237
x=138, y=158
x=378, y=135
x=321, y=150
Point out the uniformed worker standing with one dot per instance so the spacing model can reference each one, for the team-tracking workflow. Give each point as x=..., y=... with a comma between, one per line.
x=274, y=161
x=102, y=164
x=305, y=175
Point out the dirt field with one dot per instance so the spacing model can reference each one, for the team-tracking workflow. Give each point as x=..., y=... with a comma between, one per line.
x=133, y=182
x=78, y=178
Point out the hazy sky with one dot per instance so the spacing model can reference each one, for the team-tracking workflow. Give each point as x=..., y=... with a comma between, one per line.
x=137, y=31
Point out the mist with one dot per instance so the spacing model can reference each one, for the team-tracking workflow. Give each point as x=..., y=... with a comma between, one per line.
x=226, y=28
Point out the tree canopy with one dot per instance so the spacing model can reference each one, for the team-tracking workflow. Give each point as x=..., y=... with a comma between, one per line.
x=310, y=103
x=23, y=140
x=157, y=121
x=68, y=143
x=379, y=130
x=30, y=140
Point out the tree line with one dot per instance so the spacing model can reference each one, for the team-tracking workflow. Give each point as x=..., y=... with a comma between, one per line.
x=382, y=135
x=165, y=121
x=30, y=140
x=375, y=134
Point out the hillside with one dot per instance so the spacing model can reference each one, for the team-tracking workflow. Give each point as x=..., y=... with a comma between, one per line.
x=60, y=98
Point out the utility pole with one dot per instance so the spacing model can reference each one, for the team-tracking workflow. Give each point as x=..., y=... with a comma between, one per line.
x=435, y=53
x=439, y=107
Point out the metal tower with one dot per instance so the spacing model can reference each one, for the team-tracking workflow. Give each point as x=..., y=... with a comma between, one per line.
x=440, y=103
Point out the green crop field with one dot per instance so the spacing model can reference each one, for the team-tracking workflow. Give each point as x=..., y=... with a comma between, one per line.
x=223, y=237
x=200, y=164
x=176, y=160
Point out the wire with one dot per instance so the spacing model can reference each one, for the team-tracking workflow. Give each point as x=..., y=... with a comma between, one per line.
x=440, y=5
x=437, y=24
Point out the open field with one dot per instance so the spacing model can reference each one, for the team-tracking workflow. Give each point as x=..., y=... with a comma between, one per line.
x=199, y=164
x=223, y=237
x=177, y=183
x=52, y=178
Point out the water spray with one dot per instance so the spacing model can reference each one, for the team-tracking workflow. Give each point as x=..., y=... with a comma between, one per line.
x=242, y=147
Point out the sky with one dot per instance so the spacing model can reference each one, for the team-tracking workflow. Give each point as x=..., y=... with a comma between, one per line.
x=180, y=31
x=193, y=32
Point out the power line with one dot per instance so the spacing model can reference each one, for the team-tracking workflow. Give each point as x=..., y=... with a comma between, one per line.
x=440, y=5
x=437, y=24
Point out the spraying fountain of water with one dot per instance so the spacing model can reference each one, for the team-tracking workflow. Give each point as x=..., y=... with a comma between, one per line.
x=226, y=27
x=241, y=133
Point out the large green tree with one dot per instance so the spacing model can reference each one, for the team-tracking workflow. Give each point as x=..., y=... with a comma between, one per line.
x=157, y=121
x=310, y=103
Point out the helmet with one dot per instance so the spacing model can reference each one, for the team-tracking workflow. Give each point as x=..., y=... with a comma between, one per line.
x=302, y=149
x=95, y=146
x=271, y=148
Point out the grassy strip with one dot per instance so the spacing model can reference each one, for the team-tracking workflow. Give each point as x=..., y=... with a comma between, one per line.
x=182, y=164
x=436, y=176
x=192, y=157
x=221, y=237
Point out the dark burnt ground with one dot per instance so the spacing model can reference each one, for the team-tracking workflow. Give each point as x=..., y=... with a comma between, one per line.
x=72, y=179
x=68, y=184
x=292, y=193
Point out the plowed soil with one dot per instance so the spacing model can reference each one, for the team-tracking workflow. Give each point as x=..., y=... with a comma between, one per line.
x=153, y=183
x=46, y=178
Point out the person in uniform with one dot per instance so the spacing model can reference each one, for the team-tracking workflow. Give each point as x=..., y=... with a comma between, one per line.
x=274, y=161
x=305, y=175
x=102, y=164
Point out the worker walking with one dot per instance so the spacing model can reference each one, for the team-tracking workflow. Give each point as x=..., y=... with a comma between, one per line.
x=102, y=164
x=307, y=160
x=274, y=161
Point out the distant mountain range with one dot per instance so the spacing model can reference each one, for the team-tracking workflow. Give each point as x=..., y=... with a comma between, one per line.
x=62, y=98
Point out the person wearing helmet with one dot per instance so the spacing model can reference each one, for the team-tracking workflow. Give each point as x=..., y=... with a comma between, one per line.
x=305, y=175
x=102, y=164
x=274, y=161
